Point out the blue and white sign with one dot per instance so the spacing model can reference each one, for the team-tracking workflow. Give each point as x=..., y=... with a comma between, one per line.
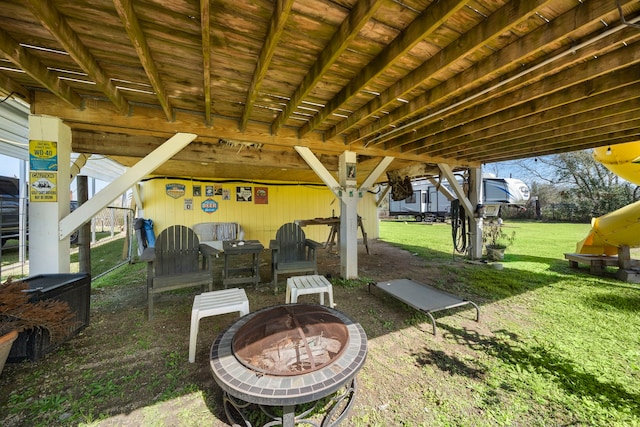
x=209, y=206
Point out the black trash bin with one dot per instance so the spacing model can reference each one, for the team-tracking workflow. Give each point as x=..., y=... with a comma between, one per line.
x=73, y=288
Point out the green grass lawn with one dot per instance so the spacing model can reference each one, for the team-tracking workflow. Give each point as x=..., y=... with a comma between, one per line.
x=567, y=349
x=104, y=256
x=554, y=345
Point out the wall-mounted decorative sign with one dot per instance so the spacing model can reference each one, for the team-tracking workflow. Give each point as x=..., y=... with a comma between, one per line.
x=226, y=194
x=209, y=206
x=197, y=191
x=243, y=194
x=217, y=190
x=175, y=190
x=188, y=204
x=43, y=155
x=261, y=195
x=44, y=186
x=208, y=190
x=351, y=171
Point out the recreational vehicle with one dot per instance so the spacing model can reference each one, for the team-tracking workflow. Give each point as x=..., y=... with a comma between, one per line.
x=427, y=203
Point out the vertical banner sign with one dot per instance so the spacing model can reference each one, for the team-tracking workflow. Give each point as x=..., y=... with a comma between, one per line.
x=43, y=177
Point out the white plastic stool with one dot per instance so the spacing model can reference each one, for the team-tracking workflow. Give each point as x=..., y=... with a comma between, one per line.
x=211, y=304
x=303, y=285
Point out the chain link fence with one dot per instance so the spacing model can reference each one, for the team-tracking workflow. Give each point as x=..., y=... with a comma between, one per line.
x=112, y=224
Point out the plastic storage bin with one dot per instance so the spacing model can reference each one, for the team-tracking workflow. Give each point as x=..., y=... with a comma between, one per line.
x=75, y=289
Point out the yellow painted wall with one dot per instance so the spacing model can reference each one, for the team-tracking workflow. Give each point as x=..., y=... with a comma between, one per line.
x=286, y=203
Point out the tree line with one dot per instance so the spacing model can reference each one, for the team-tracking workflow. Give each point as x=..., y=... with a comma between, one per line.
x=571, y=187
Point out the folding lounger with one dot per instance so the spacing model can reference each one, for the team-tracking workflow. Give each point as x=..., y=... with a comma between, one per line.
x=423, y=297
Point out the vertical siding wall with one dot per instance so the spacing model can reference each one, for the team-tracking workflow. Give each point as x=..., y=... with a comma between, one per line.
x=286, y=203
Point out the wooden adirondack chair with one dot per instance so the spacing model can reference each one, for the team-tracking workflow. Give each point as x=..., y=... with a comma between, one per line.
x=176, y=263
x=292, y=252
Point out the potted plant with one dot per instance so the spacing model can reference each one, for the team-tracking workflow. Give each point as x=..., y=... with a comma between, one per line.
x=496, y=240
x=18, y=314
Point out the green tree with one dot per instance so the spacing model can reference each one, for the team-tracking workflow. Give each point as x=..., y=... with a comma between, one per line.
x=583, y=183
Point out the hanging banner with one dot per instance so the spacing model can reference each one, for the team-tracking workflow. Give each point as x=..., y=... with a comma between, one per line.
x=43, y=155
x=44, y=186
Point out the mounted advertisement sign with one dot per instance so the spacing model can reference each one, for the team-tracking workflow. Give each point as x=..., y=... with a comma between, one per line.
x=43, y=155
x=209, y=206
x=175, y=190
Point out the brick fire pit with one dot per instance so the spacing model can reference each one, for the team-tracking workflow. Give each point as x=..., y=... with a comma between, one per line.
x=285, y=356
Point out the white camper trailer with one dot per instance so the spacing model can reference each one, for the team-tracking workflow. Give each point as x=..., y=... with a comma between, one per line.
x=427, y=203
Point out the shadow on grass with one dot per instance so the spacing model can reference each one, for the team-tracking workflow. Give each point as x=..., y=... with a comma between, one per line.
x=534, y=358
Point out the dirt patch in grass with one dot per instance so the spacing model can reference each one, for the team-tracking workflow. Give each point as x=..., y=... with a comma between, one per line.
x=125, y=370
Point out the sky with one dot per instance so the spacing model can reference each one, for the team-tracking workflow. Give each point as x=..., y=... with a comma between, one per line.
x=9, y=166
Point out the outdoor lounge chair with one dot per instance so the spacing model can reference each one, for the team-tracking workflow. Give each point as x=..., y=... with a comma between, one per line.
x=292, y=252
x=424, y=298
x=175, y=263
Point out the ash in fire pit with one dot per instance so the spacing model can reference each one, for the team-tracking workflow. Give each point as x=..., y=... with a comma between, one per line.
x=290, y=340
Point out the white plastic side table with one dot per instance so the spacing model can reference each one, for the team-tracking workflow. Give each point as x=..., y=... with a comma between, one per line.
x=211, y=304
x=303, y=285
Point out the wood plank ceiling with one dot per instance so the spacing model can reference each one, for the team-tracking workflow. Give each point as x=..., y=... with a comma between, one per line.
x=457, y=82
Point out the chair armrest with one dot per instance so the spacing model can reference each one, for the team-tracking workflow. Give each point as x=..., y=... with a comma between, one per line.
x=274, y=245
x=148, y=255
x=313, y=244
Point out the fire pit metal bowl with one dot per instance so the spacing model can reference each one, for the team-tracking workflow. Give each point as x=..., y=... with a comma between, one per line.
x=238, y=362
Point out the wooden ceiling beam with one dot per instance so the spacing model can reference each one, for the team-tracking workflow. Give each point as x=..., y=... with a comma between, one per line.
x=55, y=23
x=22, y=58
x=550, y=122
x=348, y=30
x=553, y=123
x=111, y=144
x=138, y=40
x=151, y=121
x=205, y=30
x=548, y=38
x=428, y=21
x=276, y=27
x=582, y=140
x=9, y=86
x=507, y=17
x=564, y=134
x=576, y=83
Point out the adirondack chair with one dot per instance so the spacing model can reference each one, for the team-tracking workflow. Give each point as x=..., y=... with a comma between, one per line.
x=292, y=252
x=176, y=263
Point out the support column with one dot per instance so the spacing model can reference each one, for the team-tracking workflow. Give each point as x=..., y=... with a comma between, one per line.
x=475, y=220
x=469, y=207
x=84, y=232
x=49, y=181
x=348, y=193
x=348, y=215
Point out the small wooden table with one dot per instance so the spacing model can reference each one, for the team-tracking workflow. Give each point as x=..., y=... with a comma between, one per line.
x=209, y=250
x=334, y=223
x=242, y=247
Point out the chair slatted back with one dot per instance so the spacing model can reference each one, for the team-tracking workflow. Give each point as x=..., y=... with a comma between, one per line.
x=177, y=251
x=292, y=240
